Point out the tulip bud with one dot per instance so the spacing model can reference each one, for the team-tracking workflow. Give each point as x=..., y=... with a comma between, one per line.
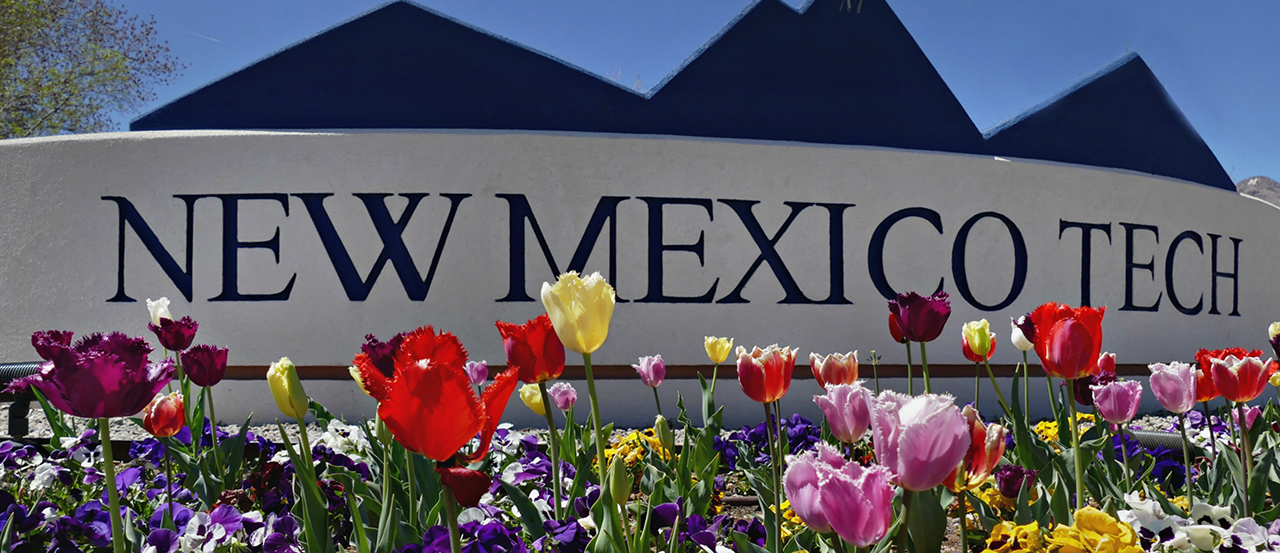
x=165, y=415
x=532, y=398
x=382, y=432
x=159, y=309
x=718, y=348
x=619, y=481
x=287, y=389
x=652, y=370
x=665, y=436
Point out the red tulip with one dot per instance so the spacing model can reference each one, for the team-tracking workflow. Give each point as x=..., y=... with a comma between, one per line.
x=986, y=446
x=970, y=355
x=896, y=331
x=1068, y=340
x=1241, y=380
x=1205, y=390
x=533, y=349
x=431, y=409
x=164, y=416
x=765, y=375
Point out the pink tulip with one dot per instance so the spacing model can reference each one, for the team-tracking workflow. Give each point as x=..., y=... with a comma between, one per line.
x=1117, y=402
x=652, y=370
x=1250, y=416
x=986, y=446
x=1174, y=386
x=563, y=395
x=920, y=439
x=832, y=495
x=478, y=373
x=837, y=368
x=847, y=408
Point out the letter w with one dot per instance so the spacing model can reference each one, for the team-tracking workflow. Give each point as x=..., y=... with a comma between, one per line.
x=390, y=232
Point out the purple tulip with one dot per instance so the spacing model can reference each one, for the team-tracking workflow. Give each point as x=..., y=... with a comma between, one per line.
x=921, y=318
x=847, y=408
x=100, y=376
x=175, y=335
x=1117, y=402
x=832, y=495
x=563, y=395
x=477, y=372
x=1174, y=385
x=205, y=364
x=652, y=370
x=1012, y=479
x=920, y=439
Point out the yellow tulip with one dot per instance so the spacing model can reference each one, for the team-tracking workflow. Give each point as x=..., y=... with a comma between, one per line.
x=1274, y=380
x=978, y=334
x=580, y=310
x=532, y=398
x=287, y=389
x=718, y=348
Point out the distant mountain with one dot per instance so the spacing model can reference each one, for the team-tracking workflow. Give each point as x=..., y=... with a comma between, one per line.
x=1262, y=188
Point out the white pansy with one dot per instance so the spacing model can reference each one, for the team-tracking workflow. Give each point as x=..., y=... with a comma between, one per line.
x=44, y=476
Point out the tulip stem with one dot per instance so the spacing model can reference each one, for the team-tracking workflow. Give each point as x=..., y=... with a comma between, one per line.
x=875, y=372
x=1026, y=391
x=903, y=531
x=1053, y=398
x=553, y=443
x=213, y=429
x=1208, y=423
x=1186, y=460
x=113, y=495
x=451, y=519
x=996, y=385
x=657, y=401
x=412, y=477
x=1246, y=457
x=838, y=541
x=168, y=482
x=911, y=381
x=964, y=514
x=924, y=368
x=977, y=386
x=772, y=439
x=1075, y=445
x=599, y=440
x=1124, y=453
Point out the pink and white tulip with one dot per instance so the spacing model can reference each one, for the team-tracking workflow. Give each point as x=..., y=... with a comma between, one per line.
x=920, y=439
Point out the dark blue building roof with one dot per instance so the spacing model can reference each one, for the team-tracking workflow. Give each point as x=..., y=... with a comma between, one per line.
x=820, y=74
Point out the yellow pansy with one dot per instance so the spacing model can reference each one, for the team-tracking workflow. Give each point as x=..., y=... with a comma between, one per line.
x=1094, y=531
x=1008, y=537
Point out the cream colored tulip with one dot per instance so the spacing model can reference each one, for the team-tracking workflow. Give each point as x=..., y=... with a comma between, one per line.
x=580, y=310
x=532, y=398
x=287, y=389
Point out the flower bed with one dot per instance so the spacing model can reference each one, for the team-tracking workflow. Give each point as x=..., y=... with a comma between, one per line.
x=437, y=471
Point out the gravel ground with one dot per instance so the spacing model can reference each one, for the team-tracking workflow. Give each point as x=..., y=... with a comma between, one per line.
x=123, y=429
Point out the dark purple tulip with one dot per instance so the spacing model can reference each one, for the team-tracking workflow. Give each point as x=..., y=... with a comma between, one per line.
x=1027, y=326
x=205, y=364
x=1275, y=344
x=382, y=354
x=921, y=318
x=100, y=376
x=175, y=335
x=1012, y=479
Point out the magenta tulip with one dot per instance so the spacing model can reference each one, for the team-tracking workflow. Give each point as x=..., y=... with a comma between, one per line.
x=1250, y=416
x=921, y=318
x=1117, y=402
x=100, y=376
x=477, y=373
x=563, y=395
x=847, y=408
x=832, y=495
x=1174, y=386
x=175, y=335
x=205, y=365
x=652, y=370
x=920, y=439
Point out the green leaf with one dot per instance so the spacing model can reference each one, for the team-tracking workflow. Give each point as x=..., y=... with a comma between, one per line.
x=928, y=522
x=530, y=517
x=234, y=449
x=323, y=416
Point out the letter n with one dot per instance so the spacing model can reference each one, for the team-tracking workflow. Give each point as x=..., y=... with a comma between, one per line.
x=129, y=217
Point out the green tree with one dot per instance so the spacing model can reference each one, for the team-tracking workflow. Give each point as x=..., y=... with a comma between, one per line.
x=67, y=65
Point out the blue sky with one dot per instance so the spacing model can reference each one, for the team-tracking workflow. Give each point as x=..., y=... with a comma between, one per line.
x=1220, y=61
